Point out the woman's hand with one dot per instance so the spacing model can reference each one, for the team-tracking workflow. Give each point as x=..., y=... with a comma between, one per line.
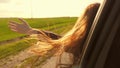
x=23, y=27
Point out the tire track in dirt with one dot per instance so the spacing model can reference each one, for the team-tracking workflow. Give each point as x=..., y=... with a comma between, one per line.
x=14, y=60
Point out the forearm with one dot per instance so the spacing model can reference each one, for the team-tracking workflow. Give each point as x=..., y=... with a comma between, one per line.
x=48, y=33
x=52, y=35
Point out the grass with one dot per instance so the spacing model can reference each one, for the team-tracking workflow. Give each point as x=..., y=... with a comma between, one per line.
x=57, y=25
x=53, y=24
x=14, y=48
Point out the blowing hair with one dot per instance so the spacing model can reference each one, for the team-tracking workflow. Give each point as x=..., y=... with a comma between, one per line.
x=73, y=40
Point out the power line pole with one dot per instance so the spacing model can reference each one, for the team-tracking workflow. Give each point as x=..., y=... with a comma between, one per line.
x=31, y=9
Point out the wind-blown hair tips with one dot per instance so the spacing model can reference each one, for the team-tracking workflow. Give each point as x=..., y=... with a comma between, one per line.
x=73, y=40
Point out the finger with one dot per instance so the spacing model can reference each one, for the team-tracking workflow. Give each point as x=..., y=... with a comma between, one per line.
x=13, y=30
x=23, y=21
x=13, y=23
x=12, y=27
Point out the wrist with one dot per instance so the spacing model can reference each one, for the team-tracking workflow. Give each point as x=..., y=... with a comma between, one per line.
x=33, y=31
x=30, y=31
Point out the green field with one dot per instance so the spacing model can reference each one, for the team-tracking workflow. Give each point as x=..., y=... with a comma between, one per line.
x=57, y=25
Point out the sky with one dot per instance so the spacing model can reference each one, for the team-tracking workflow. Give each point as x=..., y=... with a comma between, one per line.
x=43, y=8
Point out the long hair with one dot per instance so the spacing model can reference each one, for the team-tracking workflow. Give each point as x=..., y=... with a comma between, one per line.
x=74, y=39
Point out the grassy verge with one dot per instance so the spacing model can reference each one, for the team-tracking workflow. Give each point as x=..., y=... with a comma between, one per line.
x=14, y=48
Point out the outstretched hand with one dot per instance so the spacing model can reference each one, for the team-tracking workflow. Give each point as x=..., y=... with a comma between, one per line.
x=23, y=27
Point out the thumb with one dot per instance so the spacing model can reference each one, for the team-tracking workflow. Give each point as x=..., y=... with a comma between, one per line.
x=23, y=21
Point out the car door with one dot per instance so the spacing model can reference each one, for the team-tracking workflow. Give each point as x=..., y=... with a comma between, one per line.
x=102, y=46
